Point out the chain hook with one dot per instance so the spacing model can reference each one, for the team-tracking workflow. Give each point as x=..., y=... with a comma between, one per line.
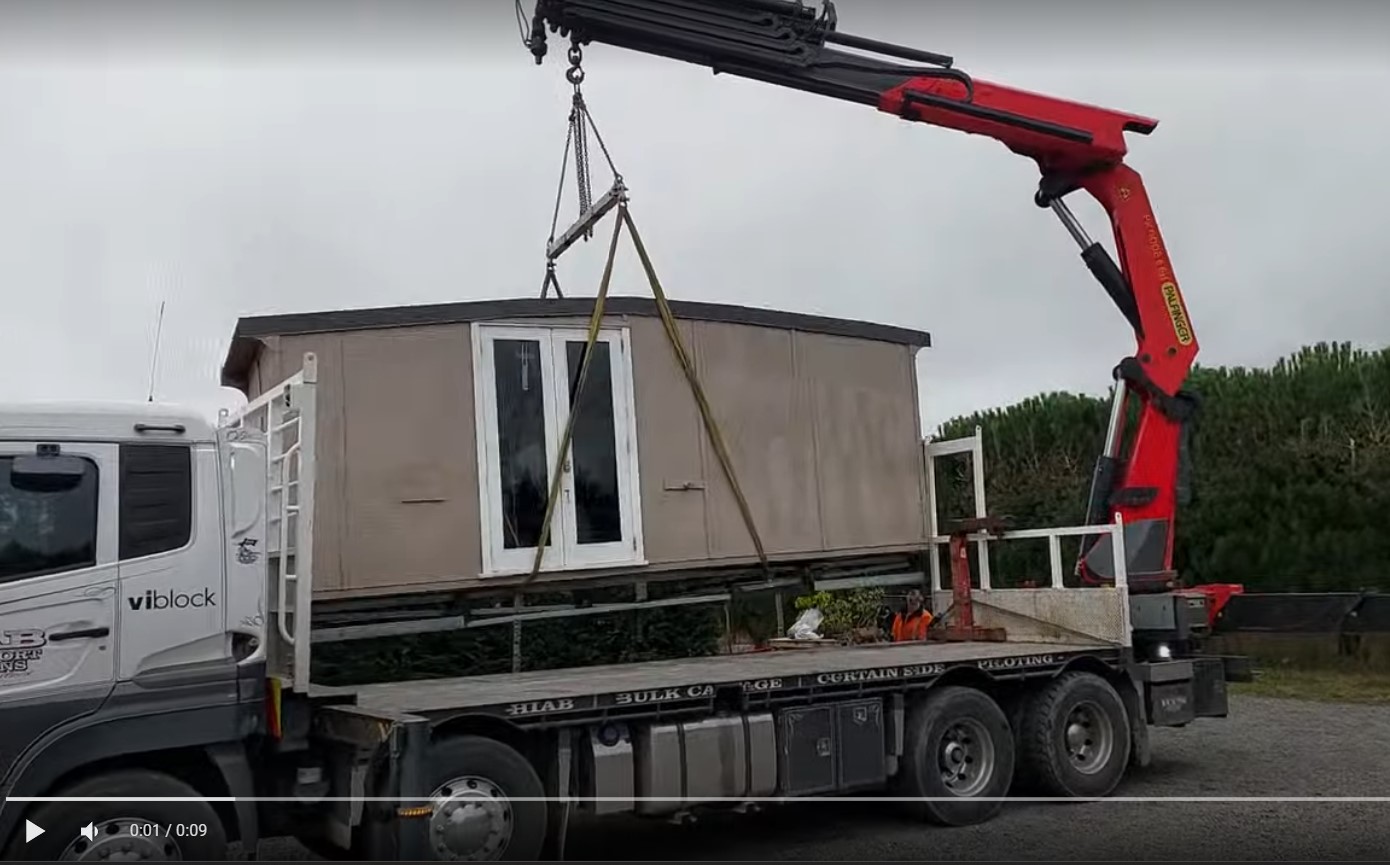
x=550, y=279
x=575, y=74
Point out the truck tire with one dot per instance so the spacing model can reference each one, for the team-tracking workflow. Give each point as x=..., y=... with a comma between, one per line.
x=1074, y=739
x=188, y=830
x=488, y=802
x=958, y=757
x=1016, y=706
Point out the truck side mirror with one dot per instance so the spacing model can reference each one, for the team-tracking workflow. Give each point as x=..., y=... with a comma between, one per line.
x=47, y=473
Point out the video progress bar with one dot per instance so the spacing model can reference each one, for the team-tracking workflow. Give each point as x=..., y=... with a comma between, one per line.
x=730, y=800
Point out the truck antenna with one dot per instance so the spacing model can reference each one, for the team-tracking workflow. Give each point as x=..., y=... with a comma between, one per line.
x=154, y=357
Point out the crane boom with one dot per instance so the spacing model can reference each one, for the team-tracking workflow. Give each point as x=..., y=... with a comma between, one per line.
x=1075, y=146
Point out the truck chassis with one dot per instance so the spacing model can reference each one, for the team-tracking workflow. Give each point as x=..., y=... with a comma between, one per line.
x=951, y=728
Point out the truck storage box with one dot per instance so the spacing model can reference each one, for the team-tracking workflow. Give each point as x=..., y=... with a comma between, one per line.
x=863, y=759
x=438, y=428
x=806, y=751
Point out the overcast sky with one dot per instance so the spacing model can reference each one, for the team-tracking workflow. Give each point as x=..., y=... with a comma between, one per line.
x=310, y=156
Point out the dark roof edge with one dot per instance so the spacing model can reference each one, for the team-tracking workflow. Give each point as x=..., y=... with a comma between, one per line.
x=250, y=330
x=236, y=366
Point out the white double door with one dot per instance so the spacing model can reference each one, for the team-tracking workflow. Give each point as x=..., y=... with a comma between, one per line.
x=524, y=384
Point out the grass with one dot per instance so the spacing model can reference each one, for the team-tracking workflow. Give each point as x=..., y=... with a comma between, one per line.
x=1323, y=686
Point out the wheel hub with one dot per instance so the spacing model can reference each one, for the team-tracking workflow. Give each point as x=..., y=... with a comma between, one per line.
x=966, y=758
x=1089, y=737
x=470, y=820
x=114, y=841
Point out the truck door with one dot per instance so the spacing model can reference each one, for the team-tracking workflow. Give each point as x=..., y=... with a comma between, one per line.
x=172, y=604
x=57, y=588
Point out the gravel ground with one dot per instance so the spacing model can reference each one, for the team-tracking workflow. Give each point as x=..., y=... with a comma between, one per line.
x=1266, y=748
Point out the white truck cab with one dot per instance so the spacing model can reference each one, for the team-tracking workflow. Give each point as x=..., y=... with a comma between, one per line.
x=132, y=584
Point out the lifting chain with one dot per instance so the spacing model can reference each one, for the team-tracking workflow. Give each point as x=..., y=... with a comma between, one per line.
x=590, y=213
x=579, y=131
x=581, y=124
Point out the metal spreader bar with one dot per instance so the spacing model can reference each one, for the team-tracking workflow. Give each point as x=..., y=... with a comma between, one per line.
x=591, y=212
x=583, y=228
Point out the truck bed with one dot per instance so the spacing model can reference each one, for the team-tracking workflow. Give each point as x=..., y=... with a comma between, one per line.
x=697, y=680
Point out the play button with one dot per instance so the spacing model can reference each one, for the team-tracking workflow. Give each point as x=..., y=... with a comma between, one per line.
x=31, y=830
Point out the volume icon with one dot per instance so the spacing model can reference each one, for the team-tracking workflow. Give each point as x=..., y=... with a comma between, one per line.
x=89, y=831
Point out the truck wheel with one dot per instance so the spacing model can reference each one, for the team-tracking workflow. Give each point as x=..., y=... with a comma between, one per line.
x=1074, y=739
x=958, y=757
x=487, y=802
x=187, y=830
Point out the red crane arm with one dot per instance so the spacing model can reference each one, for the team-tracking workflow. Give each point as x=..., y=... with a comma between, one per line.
x=1079, y=145
x=1075, y=145
x=1059, y=134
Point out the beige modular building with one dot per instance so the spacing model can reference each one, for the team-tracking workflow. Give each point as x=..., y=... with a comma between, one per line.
x=438, y=428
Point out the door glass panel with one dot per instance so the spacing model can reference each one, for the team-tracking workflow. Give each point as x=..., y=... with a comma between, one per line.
x=47, y=524
x=594, y=448
x=521, y=441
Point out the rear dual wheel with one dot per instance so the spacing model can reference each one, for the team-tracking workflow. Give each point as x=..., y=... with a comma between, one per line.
x=1073, y=738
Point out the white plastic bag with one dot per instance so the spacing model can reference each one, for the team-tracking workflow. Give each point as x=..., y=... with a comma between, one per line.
x=804, y=628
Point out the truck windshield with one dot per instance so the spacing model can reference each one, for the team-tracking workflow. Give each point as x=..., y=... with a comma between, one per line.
x=43, y=531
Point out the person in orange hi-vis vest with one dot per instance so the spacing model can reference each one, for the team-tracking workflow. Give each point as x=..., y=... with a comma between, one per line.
x=911, y=624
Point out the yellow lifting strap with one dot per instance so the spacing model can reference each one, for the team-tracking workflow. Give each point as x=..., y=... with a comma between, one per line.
x=668, y=321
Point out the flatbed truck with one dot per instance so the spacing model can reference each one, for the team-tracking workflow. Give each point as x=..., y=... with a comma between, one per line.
x=156, y=585
x=157, y=701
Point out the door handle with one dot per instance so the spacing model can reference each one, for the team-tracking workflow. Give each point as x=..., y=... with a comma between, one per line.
x=79, y=634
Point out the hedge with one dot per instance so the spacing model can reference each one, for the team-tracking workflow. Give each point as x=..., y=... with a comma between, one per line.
x=1291, y=471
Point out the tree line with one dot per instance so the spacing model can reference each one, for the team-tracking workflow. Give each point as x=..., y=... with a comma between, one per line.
x=1290, y=470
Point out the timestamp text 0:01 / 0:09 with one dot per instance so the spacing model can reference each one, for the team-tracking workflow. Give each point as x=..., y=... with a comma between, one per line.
x=176, y=830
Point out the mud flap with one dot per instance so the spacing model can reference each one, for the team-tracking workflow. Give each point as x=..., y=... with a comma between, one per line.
x=230, y=760
x=410, y=742
x=1169, y=699
x=560, y=783
x=1209, y=687
x=1140, y=749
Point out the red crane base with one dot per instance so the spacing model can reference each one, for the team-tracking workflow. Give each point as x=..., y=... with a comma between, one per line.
x=962, y=628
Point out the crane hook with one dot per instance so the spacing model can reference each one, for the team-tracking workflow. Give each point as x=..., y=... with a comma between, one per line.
x=575, y=74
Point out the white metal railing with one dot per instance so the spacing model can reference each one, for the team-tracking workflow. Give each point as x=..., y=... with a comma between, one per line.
x=973, y=446
x=286, y=414
x=1054, y=536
